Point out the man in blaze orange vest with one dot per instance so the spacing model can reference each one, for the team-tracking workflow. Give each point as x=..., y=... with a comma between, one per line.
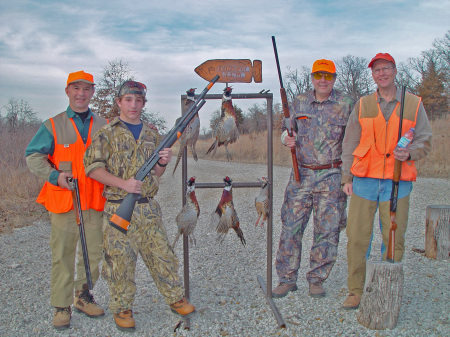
x=56, y=154
x=368, y=156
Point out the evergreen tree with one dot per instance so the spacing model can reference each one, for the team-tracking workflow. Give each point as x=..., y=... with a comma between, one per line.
x=432, y=91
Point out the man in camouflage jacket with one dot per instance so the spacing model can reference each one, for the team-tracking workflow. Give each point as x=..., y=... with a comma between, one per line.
x=319, y=118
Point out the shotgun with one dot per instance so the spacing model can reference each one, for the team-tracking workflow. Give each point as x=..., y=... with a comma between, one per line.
x=73, y=184
x=395, y=184
x=286, y=113
x=121, y=219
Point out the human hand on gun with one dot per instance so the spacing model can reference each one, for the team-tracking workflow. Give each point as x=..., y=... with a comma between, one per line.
x=165, y=156
x=401, y=154
x=63, y=180
x=290, y=141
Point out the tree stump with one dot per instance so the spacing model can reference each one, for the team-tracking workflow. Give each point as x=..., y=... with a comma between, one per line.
x=382, y=296
x=437, y=232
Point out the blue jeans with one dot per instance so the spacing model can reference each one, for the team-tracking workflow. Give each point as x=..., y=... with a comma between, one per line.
x=379, y=190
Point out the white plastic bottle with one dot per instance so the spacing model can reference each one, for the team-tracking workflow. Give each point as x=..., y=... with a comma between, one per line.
x=406, y=139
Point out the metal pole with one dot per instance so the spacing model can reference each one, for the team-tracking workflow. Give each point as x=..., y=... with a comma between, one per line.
x=266, y=290
x=187, y=321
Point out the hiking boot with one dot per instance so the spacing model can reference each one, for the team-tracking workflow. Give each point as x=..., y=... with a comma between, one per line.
x=124, y=320
x=61, y=318
x=283, y=289
x=316, y=290
x=84, y=302
x=182, y=307
x=352, y=301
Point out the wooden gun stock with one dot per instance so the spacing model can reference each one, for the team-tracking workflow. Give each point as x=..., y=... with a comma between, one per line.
x=286, y=112
x=390, y=256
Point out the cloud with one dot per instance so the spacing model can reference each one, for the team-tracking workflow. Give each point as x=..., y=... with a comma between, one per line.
x=163, y=41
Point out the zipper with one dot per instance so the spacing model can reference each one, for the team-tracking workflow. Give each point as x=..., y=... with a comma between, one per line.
x=385, y=147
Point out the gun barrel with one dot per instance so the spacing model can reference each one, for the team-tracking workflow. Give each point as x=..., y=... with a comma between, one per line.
x=121, y=219
x=277, y=61
x=73, y=182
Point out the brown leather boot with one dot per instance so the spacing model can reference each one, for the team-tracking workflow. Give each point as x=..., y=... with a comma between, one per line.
x=61, y=318
x=124, y=320
x=316, y=290
x=182, y=307
x=84, y=302
x=352, y=301
x=283, y=289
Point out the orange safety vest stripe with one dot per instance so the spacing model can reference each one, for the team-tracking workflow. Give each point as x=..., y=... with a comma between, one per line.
x=68, y=157
x=374, y=157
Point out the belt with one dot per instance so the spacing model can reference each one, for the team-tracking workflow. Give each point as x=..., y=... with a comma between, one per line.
x=140, y=201
x=322, y=167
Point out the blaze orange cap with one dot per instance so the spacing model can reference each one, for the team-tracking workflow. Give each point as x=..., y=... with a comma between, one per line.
x=324, y=65
x=80, y=76
x=383, y=56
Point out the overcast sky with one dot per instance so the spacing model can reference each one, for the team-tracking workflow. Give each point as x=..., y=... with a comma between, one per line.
x=41, y=41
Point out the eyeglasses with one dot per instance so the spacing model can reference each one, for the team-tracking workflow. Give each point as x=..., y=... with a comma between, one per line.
x=383, y=70
x=318, y=76
x=132, y=87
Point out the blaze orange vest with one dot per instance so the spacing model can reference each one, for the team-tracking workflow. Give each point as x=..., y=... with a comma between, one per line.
x=68, y=157
x=374, y=158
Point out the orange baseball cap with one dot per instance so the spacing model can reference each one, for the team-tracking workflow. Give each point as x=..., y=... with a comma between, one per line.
x=383, y=56
x=324, y=65
x=80, y=76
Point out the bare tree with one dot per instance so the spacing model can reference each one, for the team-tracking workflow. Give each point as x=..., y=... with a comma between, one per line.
x=256, y=118
x=297, y=82
x=408, y=77
x=155, y=119
x=442, y=47
x=104, y=100
x=353, y=76
x=19, y=115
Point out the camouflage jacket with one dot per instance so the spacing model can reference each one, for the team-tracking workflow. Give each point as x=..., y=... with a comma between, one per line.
x=113, y=148
x=320, y=126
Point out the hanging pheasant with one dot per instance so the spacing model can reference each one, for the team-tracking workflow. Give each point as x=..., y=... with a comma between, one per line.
x=262, y=202
x=226, y=131
x=189, y=136
x=187, y=218
x=225, y=216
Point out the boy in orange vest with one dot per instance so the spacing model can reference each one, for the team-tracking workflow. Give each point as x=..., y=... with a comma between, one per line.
x=368, y=156
x=56, y=154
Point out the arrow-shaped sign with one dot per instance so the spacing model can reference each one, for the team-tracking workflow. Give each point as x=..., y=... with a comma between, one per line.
x=231, y=71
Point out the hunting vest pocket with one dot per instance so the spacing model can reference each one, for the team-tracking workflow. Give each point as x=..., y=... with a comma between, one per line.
x=54, y=197
x=303, y=123
x=361, y=161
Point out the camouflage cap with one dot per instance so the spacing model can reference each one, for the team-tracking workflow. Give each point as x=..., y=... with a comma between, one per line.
x=132, y=87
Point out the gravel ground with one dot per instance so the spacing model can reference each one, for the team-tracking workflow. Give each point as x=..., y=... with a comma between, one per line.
x=223, y=277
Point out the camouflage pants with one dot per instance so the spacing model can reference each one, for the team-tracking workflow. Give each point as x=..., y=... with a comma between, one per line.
x=146, y=236
x=319, y=191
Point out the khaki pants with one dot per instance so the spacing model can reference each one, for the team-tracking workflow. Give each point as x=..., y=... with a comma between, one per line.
x=360, y=218
x=64, y=239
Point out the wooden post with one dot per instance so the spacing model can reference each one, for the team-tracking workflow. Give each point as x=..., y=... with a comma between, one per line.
x=382, y=296
x=437, y=233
